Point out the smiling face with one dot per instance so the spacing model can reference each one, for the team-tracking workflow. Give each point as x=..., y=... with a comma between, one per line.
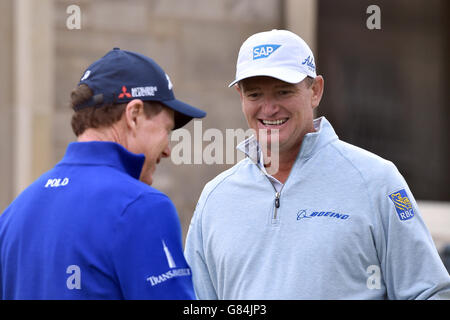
x=150, y=136
x=272, y=104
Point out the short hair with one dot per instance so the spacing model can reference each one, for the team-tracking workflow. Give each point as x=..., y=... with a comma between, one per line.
x=103, y=116
x=308, y=81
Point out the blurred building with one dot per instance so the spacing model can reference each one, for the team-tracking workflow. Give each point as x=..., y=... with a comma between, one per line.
x=385, y=90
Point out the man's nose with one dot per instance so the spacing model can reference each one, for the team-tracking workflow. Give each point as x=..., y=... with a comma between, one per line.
x=166, y=152
x=269, y=106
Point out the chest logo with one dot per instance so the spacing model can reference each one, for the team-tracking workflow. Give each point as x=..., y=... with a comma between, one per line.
x=303, y=214
x=55, y=183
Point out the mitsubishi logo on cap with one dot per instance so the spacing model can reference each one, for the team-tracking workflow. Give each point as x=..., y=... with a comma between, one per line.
x=124, y=93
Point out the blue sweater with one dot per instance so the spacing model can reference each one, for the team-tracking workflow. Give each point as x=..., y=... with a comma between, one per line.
x=88, y=229
x=346, y=226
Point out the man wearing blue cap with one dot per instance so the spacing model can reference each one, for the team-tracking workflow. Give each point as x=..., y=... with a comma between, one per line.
x=333, y=221
x=92, y=227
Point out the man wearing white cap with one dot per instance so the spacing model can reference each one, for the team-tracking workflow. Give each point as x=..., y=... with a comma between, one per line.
x=333, y=221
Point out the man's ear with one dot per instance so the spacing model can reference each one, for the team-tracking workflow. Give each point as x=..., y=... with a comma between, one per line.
x=317, y=88
x=133, y=110
x=238, y=89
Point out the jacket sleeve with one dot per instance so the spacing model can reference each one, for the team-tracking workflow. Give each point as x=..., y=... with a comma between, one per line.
x=147, y=251
x=410, y=264
x=195, y=255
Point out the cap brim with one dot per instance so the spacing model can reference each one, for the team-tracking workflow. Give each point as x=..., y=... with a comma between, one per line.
x=183, y=112
x=283, y=74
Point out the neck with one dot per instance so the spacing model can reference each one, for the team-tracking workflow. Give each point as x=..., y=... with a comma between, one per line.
x=286, y=160
x=111, y=134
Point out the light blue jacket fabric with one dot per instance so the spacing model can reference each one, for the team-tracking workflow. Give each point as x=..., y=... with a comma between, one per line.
x=347, y=227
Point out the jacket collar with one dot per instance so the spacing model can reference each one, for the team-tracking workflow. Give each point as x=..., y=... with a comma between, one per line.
x=314, y=141
x=311, y=143
x=106, y=154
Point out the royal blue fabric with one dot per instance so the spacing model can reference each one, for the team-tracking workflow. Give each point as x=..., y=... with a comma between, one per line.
x=89, y=229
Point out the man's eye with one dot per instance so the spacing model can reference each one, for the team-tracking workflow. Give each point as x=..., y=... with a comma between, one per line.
x=284, y=92
x=253, y=95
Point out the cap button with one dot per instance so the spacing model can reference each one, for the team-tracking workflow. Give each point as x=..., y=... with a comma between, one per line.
x=115, y=48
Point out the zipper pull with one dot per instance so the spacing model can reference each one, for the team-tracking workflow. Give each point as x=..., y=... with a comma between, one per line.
x=277, y=200
x=277, y=205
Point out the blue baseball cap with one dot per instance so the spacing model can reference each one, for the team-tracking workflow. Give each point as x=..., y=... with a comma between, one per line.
x=121, y=76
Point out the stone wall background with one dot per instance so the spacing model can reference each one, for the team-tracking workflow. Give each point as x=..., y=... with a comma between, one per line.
x=196, y=43
x=6, y=97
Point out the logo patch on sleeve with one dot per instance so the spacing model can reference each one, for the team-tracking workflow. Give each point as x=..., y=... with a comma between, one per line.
x=402, y=204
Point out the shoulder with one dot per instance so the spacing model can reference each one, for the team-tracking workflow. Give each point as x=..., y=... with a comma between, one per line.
x=222, y=182
x=132, y=192
x=149, y=198
x=224, y=179
x=369, y=165
x=378, y=178
x=152, y=211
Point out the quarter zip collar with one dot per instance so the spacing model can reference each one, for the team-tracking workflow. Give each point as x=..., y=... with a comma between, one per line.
x=314, y=141
x=104, y=153
x=311, y=143
x=252, y=149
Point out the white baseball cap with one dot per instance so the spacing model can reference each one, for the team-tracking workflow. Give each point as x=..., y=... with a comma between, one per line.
x=280, y=54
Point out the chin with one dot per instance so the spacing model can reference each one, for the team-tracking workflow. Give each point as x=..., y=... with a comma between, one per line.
x=269, y=139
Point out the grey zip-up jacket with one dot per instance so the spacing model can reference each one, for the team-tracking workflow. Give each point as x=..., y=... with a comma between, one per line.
x=345, y=226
